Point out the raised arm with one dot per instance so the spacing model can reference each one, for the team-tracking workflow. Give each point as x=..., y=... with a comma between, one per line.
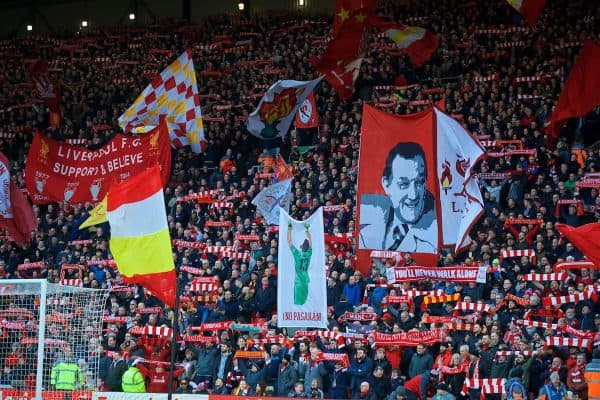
x=307, y=227
x=289, y=234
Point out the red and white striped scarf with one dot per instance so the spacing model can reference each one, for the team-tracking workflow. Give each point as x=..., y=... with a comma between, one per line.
x=518, y=253
x=555, y=276
x=459, y=326
x=152, y=331
x=569, y=342
x=417, y=293
x=536, y=324
x=571, y=298
x=487, y=386
x=463, y=306
x=534, y=78
x=506, y=353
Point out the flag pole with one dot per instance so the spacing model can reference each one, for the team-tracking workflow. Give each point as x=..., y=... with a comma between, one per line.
x=174, y=337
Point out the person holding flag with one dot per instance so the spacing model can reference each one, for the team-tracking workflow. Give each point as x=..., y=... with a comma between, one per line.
x=301, y=265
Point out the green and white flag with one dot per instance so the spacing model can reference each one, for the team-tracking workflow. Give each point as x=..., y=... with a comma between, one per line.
x=301, y=281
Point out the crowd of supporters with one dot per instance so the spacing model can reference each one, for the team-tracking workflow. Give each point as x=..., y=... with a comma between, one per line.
x=475, y=70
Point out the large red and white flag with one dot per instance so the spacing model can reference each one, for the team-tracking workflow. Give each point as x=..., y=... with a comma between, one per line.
x=580, y=93
x=417, y=192
x=529, y=9
x=16, y=214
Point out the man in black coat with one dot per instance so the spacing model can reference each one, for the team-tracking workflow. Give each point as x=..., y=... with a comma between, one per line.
x=115, y=373
x=266, y=295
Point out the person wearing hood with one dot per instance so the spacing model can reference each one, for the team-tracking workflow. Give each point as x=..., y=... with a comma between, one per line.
x=443, y=393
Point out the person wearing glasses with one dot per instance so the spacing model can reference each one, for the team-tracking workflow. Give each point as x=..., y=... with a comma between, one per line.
x=404, y=218
x=184, y=387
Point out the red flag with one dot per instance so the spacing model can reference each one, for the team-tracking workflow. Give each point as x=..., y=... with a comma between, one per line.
x=586, y=238
x=307, y=116
x=351, y=12
x=580, y=92
x=529, y=9
x=340, y=63
x=49, y=92
x=16, y=214
x=282, y=170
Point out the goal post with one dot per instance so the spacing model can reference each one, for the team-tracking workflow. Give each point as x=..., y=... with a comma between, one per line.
x=45, y=329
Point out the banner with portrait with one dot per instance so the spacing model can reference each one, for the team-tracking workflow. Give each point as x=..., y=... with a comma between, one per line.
x=301, y=281
x=416, y=191
x=56, y=171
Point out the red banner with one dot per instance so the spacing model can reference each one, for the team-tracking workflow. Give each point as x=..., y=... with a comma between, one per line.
x=58, y=171
x=452, y=274
x=411, y=338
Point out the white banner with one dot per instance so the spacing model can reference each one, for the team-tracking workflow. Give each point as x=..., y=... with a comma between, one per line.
x=301, y=282
x=460, y=198
x=272, y=198
x=278, y=107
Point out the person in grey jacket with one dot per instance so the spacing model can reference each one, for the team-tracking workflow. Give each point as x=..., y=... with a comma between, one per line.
x=313, y=369
x=206, y=362
x=420, y=362
x=288, y=375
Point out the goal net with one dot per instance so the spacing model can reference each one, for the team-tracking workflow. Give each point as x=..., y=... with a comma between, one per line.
x=47, y=330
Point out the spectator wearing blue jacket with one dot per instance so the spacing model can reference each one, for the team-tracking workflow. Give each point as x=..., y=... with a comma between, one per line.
x=360, y=370
x=352, y=292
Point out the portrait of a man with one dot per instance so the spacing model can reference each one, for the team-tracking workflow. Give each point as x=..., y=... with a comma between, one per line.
x=404, y=219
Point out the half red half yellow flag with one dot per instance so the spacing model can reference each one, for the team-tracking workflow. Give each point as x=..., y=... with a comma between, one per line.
x=140, y=241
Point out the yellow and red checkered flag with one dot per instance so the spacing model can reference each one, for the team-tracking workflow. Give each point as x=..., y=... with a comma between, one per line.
x=173, y=94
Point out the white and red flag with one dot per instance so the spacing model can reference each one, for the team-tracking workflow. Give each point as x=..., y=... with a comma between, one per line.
x=16, y=214
x=416, y=189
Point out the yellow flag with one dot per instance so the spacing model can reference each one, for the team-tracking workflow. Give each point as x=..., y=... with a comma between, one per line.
x=97, y=215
